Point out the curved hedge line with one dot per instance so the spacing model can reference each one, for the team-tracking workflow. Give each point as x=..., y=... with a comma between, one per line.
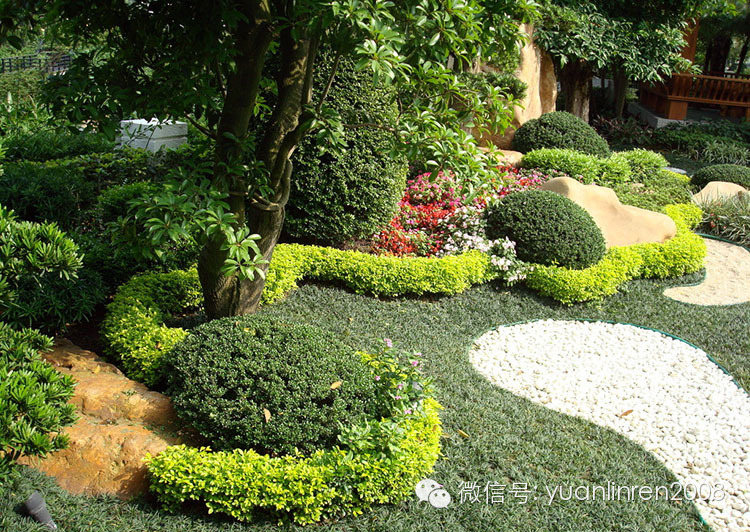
x=678, y=256
x=325, y=484
x=134, y=330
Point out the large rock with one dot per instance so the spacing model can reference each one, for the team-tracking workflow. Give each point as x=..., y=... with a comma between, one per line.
x=621, y=225
x=121, y=420
x=719, y=190
x=537, y=70
x=506, y=157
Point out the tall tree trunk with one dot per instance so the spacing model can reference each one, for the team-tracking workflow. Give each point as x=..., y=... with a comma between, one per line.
x=743, y=55
x=232, y=295
x=721, y=45
x=575, y=81
x=620, y=89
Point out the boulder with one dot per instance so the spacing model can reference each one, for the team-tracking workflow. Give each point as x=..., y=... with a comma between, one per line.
x=621, y=225
x=506, y=157
x=537, y=70
x=120, y=421
x=719, y=190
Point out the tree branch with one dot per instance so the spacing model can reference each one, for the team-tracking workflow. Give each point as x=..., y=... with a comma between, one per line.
x=209, y=133
x=327, y=89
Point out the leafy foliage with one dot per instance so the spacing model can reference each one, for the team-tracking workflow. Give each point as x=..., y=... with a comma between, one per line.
x=732, y=173
x=348, y=195
x=48, y=144
x=256, y=383
x=718, y=141
x=586, y=168
x=682, y=254
x=655, y=191
x=643, y=163
x=33, y=398
x=562, y=130
x=547, y=228
x=39, y=282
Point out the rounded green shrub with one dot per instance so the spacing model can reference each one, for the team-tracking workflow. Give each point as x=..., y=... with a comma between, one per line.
x=351, y=194
x=560, y=129
x=733, y=173
x=547, y=228
x=257, y=382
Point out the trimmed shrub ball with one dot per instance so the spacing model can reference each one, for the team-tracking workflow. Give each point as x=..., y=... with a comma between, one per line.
x=351, y=195
x=547, y=228
x=261, y=383
x=733, y=173
x=560, y=129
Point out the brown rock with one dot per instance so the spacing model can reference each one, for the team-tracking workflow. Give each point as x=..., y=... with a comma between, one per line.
x=719, y=190
x=507, y=157
x=621, y=225
x=121, y=420
x=537, y=70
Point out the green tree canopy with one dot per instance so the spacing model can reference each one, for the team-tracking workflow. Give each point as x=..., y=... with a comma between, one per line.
x=205, y=60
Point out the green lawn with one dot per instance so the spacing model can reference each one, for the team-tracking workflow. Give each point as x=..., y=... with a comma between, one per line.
x=510, y=439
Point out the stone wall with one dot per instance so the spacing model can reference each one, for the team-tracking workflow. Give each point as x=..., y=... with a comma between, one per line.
x=538, y=72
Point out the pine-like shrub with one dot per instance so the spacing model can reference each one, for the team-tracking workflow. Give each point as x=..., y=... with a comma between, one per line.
x=547, y=228
x=33, y=398
x=254, y=382
x=350, y=195
x=560, y=129
x=733, y=173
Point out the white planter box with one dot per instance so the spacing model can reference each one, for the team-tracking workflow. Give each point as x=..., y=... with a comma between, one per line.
x=151, y=134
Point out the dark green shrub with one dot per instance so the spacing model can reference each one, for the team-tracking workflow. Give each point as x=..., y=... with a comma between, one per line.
x=732, y=173
x=560, y=129
x=254, y=382
x=547, y=228
x=728, y=218
x=350, y=195
x=33, y=398
x=40, y=285
x=50, y=144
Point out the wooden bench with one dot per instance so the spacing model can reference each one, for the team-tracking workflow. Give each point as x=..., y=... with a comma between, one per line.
x=671, y=98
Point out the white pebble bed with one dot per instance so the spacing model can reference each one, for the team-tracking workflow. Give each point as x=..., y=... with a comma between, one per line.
x=683, y=408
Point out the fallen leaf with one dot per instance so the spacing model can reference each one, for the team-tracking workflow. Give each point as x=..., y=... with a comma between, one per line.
x=462, y=433
x=267, y=414
x=247, y=329
x=627, y=412
x=335, y=385
x=445, y=435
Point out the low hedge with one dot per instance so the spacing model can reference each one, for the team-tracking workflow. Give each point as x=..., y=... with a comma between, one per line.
x=134, y=330
x=325, y=484
x=682, y=254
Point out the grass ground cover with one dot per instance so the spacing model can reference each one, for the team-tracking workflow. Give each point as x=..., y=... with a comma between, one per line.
x=509, y=439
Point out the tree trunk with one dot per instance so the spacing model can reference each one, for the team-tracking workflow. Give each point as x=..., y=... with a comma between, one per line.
x=232, y=295
x=720, y=47
x=575, y=81
x=743, y=55
x=620, y=84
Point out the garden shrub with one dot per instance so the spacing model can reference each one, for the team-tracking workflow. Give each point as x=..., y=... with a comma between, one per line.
x=732, y=173
x=351, y=194
x=49, y=144
x=643, y=163
x=505, y=81
x=63, y=190
x=720, y=141
x=560, y=129
x=134, y=330
x=40, y=282
x=254, y=382
x=547, y=228
x=682, y=254
x=655, y=191
x=378, y=460
x=588, y=168
x=33, y=398
x=728, y=218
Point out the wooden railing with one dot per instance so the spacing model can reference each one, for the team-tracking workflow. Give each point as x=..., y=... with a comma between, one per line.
x=672, y=97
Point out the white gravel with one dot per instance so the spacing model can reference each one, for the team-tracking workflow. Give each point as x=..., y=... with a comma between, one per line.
x=659, y=392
